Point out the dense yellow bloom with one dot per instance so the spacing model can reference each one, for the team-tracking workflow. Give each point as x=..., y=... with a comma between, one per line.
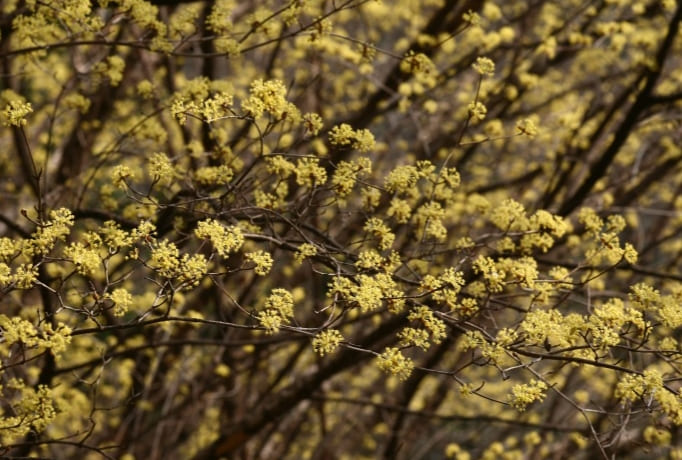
x=368, y=294
x=17, y=330
x=412, y=337
x=524, y=394
x=345, y=146
x=435, y=327
x=380, y=230
x=166, y=259
x=269, y=97
x=400, y=209
x=263, y=261
x=86, y=259
x=309, y=173
x=225, y=240
x=278, y=308
x=347, y=173
x=493, y=275
x=484, y=66
x=394, y=362
x=281, y=301
x=122, y=300
x=401, y=179
x=161, y=168
x=527, y=127
x=510, y=215
x=327, y=341
x=304, y=251
x=344, y=135
x=313, y=123
x=369, y=259
x=15, y=113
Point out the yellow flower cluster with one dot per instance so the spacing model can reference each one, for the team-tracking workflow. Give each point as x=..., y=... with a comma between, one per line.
x=369, y=292
x=552, y=327
x=657, y=436
x=15, y=113
x=379, y=230
x=527, y=127
x=86, y=258
x=225, y=240
x=665, y=307
x=609, y=318
x=279, y=166
x=399, y=209
x=477, y=110
x=33, y=409
x=161, y=169
x=429, y=218
x=493, y=275
x=309, y=173
x=394, y=362
x=369, y=260
x=605, y=234
x=523, y=270
x=187, y=270
x=216, y=107
x=57, y=228
x=214, y=175
x=279, y=307
x=304, y=251
x=490, y=351
x=263, y=261
x=413, y=337
x=220, y=18
x=270, y=97
x=327, y=341
x=121, y=174
x=472, y=17
x=122, y=300
x=544, y=228
x=312, y=123
x=484, y=66
x=111, y=68
x=444, y=288
x=510, y=215
x=402, y=179
x=145, y=15
x=347, y=173
x=344, y=135
x=191, y=270
x=524, y=394
x=420, y=67
x=165, y=259
x=454, y=450
x=17, y=330
x=435, y=327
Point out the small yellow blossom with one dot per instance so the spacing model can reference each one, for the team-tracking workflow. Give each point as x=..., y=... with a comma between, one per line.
x=309, y=173
x=263, y=261
x=477, y=110
x=484, y=66
x=225, y=240
x=327, y=341
x=524, y=394
x=15, y=113
x=526, y=127
x=312, y=123
x=305, y=251
x=377, y=228
x=394, y=362
x=122, y=301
